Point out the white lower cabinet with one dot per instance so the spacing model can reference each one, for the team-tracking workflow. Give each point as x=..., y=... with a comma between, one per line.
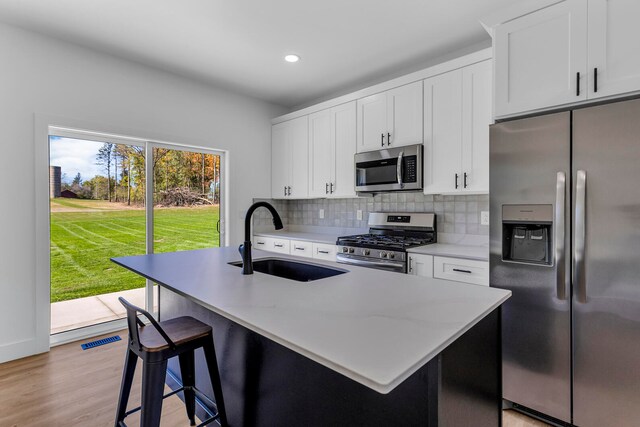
x=271, y=244
x=420, y=265
x=324, y=251
x=461, y=270
x=448, y=268
x=301, y=248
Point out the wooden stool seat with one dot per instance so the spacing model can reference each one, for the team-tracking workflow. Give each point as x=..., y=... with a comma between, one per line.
x=180, y=330
x=155, y=344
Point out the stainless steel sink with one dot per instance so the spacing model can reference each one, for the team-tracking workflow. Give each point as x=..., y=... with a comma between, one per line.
x=294, y=270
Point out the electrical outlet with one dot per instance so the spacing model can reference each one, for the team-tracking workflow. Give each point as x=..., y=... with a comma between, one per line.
x=359, y=214
x=484, y=218
x=321, y=214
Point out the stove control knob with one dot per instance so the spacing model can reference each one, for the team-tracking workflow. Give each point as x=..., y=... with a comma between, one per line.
x=366, y=252
x=351, y=250
x=345, y=250
x=383, y=254
x=392, y=256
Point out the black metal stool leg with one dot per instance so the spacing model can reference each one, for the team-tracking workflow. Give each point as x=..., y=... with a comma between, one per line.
x=153, y=376
x=187, y=370
x=125, y=388
x=212, y=365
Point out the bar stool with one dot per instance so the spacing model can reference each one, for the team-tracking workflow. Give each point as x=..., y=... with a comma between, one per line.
x=155, y=344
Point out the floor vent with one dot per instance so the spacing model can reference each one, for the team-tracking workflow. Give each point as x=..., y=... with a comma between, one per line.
x=103, y=341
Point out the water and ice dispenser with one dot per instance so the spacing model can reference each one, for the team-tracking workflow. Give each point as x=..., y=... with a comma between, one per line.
x=527, y=234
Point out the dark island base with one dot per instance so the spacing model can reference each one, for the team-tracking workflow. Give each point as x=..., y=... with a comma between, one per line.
x=266, y=384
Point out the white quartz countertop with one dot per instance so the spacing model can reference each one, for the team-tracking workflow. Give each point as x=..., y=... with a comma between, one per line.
x=373, y=326
x=301, y=235
x=478, y=253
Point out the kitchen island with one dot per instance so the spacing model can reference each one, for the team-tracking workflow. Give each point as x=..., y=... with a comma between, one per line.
x=367, y=347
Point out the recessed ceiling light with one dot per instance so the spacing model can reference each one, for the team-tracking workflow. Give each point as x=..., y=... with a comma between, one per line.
x=292, y=58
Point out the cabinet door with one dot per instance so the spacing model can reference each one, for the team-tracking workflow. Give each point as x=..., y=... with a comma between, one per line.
x=613, y=47
x=443, y=133
x=301, y=248
x=372, y=122
x=461, y=270
x=344, y=149
x=540, y=57
x=320, y=152
x=404, y=115
x=420, y=265
x=280, y=160
x=324, y=251
x=476, y=118
x=298, y=137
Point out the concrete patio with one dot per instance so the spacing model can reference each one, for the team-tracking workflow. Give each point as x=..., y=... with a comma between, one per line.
x=82, y=312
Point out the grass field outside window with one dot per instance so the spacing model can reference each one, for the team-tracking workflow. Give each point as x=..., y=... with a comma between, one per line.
x=85, y=234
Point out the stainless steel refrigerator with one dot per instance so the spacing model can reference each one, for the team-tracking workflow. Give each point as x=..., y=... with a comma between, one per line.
x=565, y=239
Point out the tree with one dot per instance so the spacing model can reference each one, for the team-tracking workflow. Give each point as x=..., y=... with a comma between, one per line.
x=77, y=180
x=104, y=159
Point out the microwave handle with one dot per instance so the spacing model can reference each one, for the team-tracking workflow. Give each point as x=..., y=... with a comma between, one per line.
x=399, y=169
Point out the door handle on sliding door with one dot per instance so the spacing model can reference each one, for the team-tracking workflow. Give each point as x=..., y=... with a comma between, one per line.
x=580, y=225
x=559, y=227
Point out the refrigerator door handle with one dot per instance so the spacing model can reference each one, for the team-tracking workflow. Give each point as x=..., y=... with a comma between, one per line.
x=580, y=226
x=560, y=218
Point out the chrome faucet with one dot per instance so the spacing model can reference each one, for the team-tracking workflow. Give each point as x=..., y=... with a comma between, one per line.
x=245, y=248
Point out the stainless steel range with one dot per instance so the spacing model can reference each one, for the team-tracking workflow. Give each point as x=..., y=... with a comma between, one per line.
x=390, y=235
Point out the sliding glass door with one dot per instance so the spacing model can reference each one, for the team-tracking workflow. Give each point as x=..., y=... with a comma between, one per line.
x=111, y=197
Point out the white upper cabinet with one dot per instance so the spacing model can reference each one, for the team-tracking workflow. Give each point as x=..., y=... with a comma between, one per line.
x=372, y=122
x=476, y=118
x=443, y=133
x=571, y=51
x=343, y=130
x=457, y=115
x=332, y=145
x=390, y=119
x=540, y=59
x=614, y=53
x=289, y=159
x=320, y=153
x=404, y=115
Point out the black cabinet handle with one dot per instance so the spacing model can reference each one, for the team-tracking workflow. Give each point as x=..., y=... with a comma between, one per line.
x=259, y=243
x=462, y=271
x=331, y=187
x=326, y=188
x=285, y=190
x=578, y=83
x=388, y=139
x=298, y=248
x=323, y=252
x=278, y=246
x=595, y=79
x=382, y=139
x=456, y=181
x=465, y=180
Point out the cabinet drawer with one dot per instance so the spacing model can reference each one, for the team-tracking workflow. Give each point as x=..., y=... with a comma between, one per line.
x=271, y=244
x=461, y=270
x=301, y=248
x=324, y=251
x=280, y=245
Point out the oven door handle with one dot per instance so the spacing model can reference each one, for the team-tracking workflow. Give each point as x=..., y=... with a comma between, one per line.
x=389, y=265
x=399, y=169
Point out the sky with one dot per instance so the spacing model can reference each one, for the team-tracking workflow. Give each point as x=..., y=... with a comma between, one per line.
x=73, y=156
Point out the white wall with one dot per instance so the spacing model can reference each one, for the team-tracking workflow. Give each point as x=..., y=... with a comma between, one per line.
x=44, y=77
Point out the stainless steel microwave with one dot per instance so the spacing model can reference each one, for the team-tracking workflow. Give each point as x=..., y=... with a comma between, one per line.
x=391, y=169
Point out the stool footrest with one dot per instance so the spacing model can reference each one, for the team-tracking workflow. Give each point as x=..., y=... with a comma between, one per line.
x=200, y=394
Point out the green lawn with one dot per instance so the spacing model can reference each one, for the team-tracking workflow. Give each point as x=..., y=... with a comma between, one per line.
x=86, y=234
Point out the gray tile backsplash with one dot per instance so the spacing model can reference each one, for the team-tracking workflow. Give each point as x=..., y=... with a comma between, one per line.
x=455, y=214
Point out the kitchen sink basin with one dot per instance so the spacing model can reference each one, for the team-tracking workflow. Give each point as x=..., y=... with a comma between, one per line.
x=294, y=270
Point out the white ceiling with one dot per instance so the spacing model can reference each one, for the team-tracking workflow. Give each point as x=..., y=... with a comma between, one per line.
x=240, y=44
